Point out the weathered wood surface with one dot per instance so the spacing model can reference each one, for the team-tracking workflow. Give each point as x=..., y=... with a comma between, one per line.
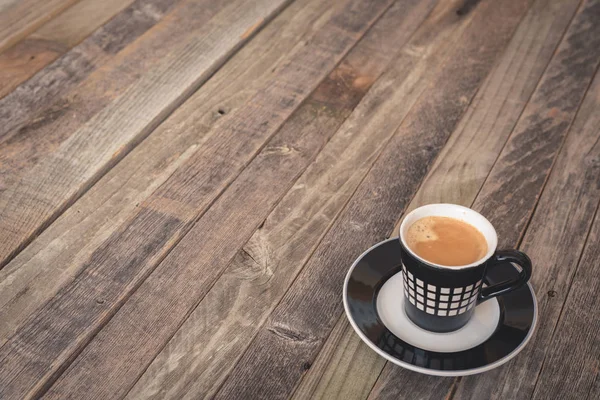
x=85, y=79
x=542, y=127
x=19, y=62
x=570, y=369
x=4, y=4
x=189, y=262
x=554, y=239
x=55, y=181
x=267, y=264
x=342, y=370
x=203, y=255
x=129, y=255
x=566, y=347
x=295, y=332
x=518, y=174
x=59, y=254
x=461, y=169
x=529, y=154
x=20, y=18
x=468, y=157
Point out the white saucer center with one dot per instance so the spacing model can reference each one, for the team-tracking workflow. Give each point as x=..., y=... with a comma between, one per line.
x=390, y=306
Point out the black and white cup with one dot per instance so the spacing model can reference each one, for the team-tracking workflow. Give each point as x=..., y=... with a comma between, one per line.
x=441, y=298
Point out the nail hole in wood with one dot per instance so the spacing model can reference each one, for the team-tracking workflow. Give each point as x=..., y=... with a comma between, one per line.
x=100, y=301
x=221, y=111
x=306, y=366
x=551, y=293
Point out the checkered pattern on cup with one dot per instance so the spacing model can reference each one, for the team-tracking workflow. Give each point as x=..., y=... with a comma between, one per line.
x=441, y=301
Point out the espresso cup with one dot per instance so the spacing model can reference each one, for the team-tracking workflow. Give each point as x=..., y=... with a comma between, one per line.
x=442, y=298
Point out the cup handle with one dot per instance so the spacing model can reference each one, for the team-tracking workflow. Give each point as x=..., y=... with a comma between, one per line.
x=511, y=256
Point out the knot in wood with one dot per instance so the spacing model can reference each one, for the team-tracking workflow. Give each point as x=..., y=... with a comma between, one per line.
x=290, y=334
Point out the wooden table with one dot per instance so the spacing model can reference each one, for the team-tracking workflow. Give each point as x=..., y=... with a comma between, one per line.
x=185, y=183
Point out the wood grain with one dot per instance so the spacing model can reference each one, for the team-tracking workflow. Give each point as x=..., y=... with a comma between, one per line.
x=516, y=181
x=353, y=370
x=295, y=332
x=166, y=298
x=554, y=240
x=43, y=192
x=252, y=195
x=23, y=17
x=78, y=21
x=567, y=345
x=205, y=348
x=465, y=161
x=4, y=4
x=85, y=79
x=58, y=255
x=522, y=169
x=21, y=61
x=413, y=385
x=125, y=260
x=341, y=371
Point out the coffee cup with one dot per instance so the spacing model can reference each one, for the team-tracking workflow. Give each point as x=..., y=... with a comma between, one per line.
x=442, y=298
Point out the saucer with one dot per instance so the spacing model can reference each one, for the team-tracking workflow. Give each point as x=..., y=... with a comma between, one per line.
x=374, y=304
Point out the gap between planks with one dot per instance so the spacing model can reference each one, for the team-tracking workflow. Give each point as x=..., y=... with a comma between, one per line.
x=53, y=39
x=275, y=89
x=21, y=18
x=476, y=102
x=92, y=150
x=547, y=173
x=149, y=386
x=279, y=367
x=185, y=131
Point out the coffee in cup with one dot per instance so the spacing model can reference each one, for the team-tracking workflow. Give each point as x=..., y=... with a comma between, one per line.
x=446, y=241
x=445, y=251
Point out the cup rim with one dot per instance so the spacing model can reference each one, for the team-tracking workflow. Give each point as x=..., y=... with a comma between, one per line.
x=430, y=210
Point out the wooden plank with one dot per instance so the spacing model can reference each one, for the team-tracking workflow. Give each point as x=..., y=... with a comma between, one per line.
x=567, y=345
x=59, y=254
x=327, y=377
x=4, y=4
x=130, y=255
x=23, y=17
x=542, y=128
x=529, y=155
x=457, y=176
x=43, y=192
x=220, y=327
x=345, y=367
x=78, y=21
x=532, y=132
x=21, y=61
x=253, y=194
x=594, y=392
x=294, y=333
x=125, y=44
x=465, y=162
x=414, y=385
x=555, y=240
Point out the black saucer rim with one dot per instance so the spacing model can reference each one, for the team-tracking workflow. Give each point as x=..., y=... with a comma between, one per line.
x=424, y=370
